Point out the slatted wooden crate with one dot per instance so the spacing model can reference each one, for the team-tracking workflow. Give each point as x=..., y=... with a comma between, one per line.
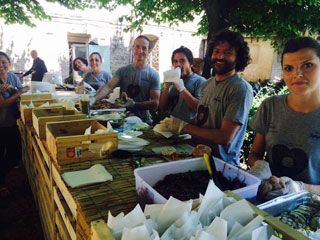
x=26, y=111
x=36, y=96
x=67, y=143
x=40, y=117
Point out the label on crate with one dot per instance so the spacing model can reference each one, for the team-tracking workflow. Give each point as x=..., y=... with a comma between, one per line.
x=74, y=152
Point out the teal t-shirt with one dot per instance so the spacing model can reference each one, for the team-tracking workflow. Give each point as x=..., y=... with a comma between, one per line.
x=97, y=81
x=10, y=114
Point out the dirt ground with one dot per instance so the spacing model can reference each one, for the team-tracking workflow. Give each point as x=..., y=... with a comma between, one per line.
x=19, y=217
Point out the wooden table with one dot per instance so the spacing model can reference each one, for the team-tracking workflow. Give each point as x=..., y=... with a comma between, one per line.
x=68, y=213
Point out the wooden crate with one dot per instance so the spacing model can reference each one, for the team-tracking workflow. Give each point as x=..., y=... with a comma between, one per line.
x=35, y=96
x=40, y=117
x=26, y=112
x=67, y=143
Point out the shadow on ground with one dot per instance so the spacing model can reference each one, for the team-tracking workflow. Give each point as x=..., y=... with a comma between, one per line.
x=19, y=217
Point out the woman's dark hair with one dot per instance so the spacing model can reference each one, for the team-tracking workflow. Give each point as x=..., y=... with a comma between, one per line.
x=96, y=54
x=237, y=41
x=5, y=55
x=185, y=51
x=84, y=61
x=296, y=44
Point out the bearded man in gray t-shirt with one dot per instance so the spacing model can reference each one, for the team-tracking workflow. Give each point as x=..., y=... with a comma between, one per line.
x=226, y=99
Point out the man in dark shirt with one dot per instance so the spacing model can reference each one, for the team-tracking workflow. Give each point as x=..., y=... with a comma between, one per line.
x=38, y=68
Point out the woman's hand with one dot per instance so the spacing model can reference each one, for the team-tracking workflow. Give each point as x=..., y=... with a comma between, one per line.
x=24, y=89
x=5, y=87
x=275, y=187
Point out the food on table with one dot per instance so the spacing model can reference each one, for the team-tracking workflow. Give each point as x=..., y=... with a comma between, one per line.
x=189, y=185
x=305, y=216
x=103, y=104
x=201, y=149
x=167, y=151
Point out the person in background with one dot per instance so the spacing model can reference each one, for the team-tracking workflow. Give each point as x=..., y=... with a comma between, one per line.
x=96, y=77
x=226, y=99
x=198, y=66
x=81, y=66
x=181, y=98
x=38, y=68
x=10, y=141
x=138, y=81
x=287, y=127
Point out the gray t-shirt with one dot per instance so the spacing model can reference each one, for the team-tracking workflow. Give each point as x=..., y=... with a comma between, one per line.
x=10, y=114
x=292, y=139
x=177, y=106
x=97, y=81
x=231, y=100
x=144, y=79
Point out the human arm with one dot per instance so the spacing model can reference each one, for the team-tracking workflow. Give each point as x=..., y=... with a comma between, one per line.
x=257, y=149
x=151, y=104
x=191, y=101
x=163, y=100
x=107, y=88
x=13, y=98
x=5, y=87
x=28, y=72
x=224, y=135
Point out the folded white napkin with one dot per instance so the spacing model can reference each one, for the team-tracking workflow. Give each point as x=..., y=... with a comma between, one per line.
x=96, y=174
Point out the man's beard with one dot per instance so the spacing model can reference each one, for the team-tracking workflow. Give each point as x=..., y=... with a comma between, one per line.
x=224, y=68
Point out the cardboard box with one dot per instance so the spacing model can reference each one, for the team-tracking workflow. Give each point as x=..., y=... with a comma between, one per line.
x=67, y=143
x=147, y=177
x=26, y=111
x=35, y=96
x=40, y=117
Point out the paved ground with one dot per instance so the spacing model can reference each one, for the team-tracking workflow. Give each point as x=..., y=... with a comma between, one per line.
x=19, y=218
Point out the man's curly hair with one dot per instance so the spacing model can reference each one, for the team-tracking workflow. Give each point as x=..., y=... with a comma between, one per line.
x=237, y=41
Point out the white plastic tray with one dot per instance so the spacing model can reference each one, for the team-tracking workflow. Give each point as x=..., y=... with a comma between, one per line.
x=146, y=177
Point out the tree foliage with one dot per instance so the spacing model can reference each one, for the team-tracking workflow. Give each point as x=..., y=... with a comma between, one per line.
x=276, y=20
x=25, y=11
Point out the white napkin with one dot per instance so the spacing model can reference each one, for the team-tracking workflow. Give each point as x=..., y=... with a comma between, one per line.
x=218, y=228
x=96, y=174
x=114, y=95
x=171, y=211
x=239, y=212
x=137, y=233
x=104, y=131
x=131, y=220
x=212, y=196
x=172, y=75
x=159, y=129
x=31, y=105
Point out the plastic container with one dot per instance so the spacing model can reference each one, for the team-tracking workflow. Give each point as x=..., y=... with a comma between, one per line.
x=147, y=177
x=285, y=203
x=37, y=87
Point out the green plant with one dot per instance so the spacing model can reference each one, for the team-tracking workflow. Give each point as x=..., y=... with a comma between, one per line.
x=268, y=89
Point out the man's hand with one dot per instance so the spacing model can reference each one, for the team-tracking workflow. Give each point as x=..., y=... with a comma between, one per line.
x=275, y=187
x=176, y=125
x=179, y=84
x=261, y=169
x=129, y=103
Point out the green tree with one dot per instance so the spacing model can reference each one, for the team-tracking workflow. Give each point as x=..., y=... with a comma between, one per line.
x=24, y=11
x=276, y=20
